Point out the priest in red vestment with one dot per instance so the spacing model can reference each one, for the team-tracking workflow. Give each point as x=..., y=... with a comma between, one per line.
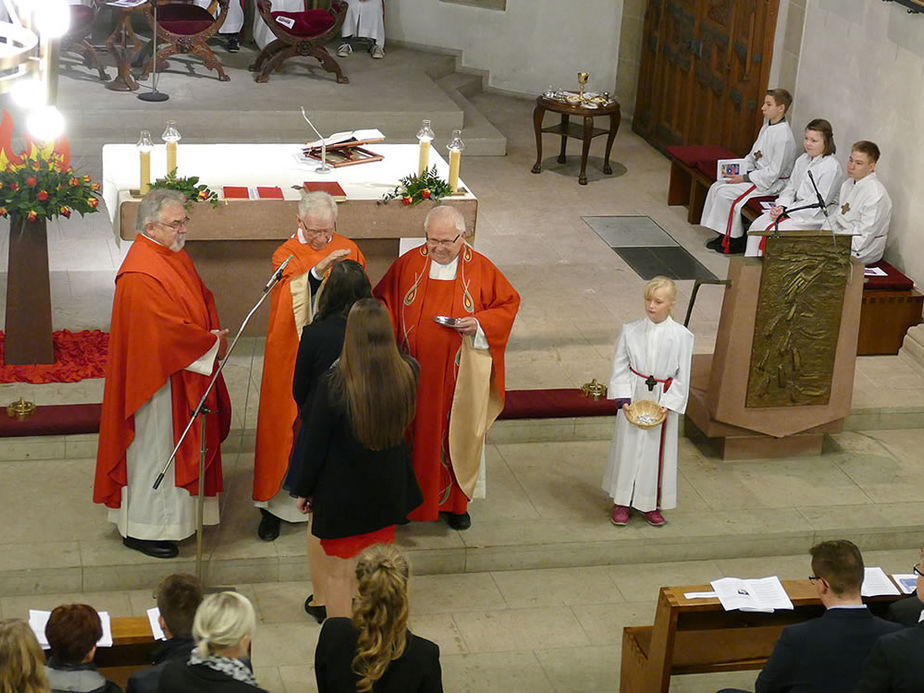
x=314, y=248
x=163, y=344
x=461, y=385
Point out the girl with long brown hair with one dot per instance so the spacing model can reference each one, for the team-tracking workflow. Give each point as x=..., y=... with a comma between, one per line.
x=354, y=472
x=375, y=651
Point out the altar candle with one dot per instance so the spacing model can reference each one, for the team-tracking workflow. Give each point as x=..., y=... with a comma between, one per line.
x=455, y=158
x=145, y=171
x=424, y=156
x=171, y=156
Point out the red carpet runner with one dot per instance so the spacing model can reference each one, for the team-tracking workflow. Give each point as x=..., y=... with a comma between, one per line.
x=79, y=355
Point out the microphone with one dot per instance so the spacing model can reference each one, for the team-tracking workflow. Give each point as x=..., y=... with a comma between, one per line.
x=821, y=200
x=277, y=275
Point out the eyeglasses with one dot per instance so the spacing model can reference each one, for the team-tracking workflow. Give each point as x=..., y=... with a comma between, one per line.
x=315, y=232
x=446, y=244
x=176, y=225
x=916, y=569
x=814, y=578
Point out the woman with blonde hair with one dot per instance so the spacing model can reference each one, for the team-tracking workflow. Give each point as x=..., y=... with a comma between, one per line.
x=376, y=651
x=220, y=663
x=652, y=362
x=22, y=664
x=355, y=473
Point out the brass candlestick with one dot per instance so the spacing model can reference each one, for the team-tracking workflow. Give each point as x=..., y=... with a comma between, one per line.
x=20, y=409
x=582, y=80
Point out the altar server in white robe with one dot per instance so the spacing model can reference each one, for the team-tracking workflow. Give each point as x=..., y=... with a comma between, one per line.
x=765, y=172
x=364, y=19
x=864, y=208
x=234, y=21
x=797, y=207
x=651, y=362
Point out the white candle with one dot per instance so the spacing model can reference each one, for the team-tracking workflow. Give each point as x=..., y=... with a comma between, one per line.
x=171, y=156
x=145, y=171
x=424, y=156
x=455, y=159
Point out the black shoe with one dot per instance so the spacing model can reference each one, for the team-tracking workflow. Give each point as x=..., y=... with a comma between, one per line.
x=234, y=43
x=716, y=243
x=459, y=521
x=269, y=526
x=318, y=612
x=156, y=549
x=736, y=246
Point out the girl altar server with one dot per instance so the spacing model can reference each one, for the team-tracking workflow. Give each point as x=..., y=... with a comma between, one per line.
x=797, y=207
x=765, y=172
x=652, y=361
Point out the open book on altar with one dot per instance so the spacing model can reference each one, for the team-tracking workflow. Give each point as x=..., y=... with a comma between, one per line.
x=352, y=137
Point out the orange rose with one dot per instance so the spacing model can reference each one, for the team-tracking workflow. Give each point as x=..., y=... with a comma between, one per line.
x=66, y=212
x=42, y=195
x=93, y=202
x=30, y=181
x=94, y=186
x=86, y=179
x=32, y=216
x=2, y=211
x=425, y=193
x=203, y=195
x=406, y=200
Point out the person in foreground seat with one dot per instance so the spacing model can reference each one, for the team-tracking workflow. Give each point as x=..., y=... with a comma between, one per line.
x=826, y=654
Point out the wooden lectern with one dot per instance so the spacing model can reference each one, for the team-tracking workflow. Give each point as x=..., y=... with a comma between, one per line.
x=782, y=372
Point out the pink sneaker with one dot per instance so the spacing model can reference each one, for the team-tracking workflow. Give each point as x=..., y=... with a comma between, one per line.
x=655, y=518
x=620, y=515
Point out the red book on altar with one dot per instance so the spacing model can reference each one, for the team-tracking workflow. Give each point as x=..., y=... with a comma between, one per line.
x=236, y=192
x=331, y=187
x=269, y=193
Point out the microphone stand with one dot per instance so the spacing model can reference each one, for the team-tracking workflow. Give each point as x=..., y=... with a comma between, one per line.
x=323, y=168
x=154, y=95
x=201, y=411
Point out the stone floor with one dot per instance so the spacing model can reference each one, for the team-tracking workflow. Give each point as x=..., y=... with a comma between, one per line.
x=535, y=595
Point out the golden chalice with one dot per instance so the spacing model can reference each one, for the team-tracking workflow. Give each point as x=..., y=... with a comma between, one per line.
x=582, y=80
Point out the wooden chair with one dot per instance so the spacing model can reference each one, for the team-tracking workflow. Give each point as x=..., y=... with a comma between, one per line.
x=75, y=39
x=184, y=27
x=309, y=31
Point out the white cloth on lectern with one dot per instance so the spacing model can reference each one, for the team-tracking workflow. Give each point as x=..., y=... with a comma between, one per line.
x=262, y=35
x=234, y=21
x=365, y=19
x=168, y=513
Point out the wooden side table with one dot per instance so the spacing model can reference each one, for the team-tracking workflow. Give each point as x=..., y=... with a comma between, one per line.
x=566, y=129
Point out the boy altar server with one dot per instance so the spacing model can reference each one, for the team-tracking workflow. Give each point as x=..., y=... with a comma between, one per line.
x=766, y=169
x=652, y=361
x=864, y=207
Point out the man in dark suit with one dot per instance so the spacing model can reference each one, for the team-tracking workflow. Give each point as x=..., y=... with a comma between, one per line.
x=826, y=654
x=178, y=597
x=896, y=663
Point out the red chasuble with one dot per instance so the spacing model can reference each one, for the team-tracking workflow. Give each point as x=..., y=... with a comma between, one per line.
x=278, y=409
x=161, y=321
x=413, y=299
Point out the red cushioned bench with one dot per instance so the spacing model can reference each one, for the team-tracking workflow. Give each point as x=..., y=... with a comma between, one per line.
x=53, y=420
x=891, y=305
x=689, y=182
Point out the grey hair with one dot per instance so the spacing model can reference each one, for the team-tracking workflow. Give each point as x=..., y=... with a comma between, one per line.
x=455, y=216
x=317, y=203
x=152, y=204
x=222, y=621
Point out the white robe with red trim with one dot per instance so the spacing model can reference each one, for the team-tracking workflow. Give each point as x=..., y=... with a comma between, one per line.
x=768, y=165
x=664, y=350
x=365, y=19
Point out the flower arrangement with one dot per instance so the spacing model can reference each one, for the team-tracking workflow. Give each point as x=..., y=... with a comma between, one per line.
x=416, y=188
x=38, y=183
x=190, y=186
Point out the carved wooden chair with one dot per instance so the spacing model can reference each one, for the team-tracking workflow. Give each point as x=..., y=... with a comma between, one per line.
x=301, y=33
x=75, y=39
x=184, y=27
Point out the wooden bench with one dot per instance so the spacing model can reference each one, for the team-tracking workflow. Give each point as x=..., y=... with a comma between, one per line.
x=690, y=181
x=132, y=645
x=696, y=636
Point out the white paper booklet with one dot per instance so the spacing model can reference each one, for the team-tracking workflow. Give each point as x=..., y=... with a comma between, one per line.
x=876, y=582
x=907, y=581
x=756, y=594
x=38, y=619
x=353, y=135
x=725, y=168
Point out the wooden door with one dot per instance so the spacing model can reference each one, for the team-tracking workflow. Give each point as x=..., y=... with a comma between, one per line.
x=704, y=70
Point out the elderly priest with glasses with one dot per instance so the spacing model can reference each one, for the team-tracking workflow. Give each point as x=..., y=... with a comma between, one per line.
x=452, y=311
x=164, y=343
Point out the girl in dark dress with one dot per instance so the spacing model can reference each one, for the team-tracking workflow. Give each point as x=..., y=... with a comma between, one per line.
x=318, y=348
x=375, y=651
x=355, y=474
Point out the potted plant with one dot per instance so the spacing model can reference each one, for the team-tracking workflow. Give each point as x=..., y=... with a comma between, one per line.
x=36, y=184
